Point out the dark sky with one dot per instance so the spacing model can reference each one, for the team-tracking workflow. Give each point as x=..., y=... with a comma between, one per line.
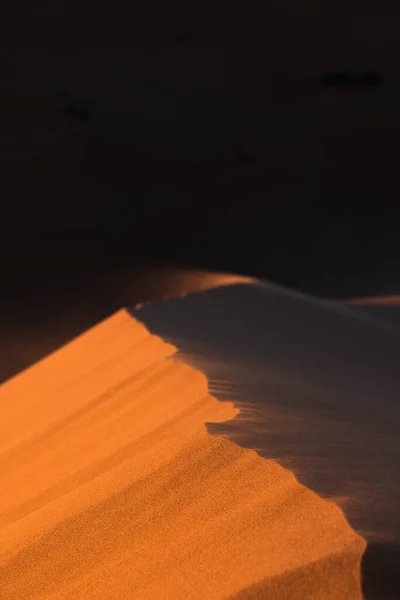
x=214, y=142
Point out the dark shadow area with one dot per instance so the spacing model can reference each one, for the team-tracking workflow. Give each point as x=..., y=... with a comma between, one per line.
x=370, y=78
x=380, y=570
x=79, y=113
x=350, y=79
x=183, y=38
x=329, y=250
x=73, y=110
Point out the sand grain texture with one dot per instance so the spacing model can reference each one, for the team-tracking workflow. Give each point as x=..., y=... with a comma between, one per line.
x=112, y=487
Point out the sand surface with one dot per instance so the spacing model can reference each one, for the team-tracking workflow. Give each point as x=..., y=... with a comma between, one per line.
x=317, y=386
x=112, y=485
x=384, y=308
x=316, y=382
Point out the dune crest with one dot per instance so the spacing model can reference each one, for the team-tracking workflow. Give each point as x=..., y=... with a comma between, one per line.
x=113, y=488
x=384, y=308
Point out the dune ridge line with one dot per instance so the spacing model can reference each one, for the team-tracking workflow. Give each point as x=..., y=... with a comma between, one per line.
x=113, y=488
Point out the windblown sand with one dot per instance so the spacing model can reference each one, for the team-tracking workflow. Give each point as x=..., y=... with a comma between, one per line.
x=112, y=487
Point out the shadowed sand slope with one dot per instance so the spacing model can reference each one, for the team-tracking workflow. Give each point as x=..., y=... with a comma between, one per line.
x=384, y=308
x=317, y=385
x=112, y=488
x=318, y=390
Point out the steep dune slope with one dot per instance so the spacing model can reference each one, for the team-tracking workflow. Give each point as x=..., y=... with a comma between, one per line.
x=113, y=488
x=316, y=382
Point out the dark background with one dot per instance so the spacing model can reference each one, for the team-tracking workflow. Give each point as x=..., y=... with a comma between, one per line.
x=134, y=138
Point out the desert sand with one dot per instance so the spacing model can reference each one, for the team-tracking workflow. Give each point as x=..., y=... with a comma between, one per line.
x=384, y=308
x=202, y=447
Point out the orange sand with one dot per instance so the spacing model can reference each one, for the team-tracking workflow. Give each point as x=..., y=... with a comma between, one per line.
x=111, y=487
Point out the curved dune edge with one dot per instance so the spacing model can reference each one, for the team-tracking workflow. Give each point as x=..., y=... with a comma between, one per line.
x=383, y=309
x=374, y=301
x=113, y=488
x=181, y=282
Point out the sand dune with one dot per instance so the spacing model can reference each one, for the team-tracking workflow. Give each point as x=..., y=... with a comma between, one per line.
x=113, y=487
x=316, y=382
x=385, y=308
x=375, y=301
x=317, y=386
x=37, y=318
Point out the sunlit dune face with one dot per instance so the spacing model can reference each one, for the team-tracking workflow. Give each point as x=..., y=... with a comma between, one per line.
x=114, y=489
